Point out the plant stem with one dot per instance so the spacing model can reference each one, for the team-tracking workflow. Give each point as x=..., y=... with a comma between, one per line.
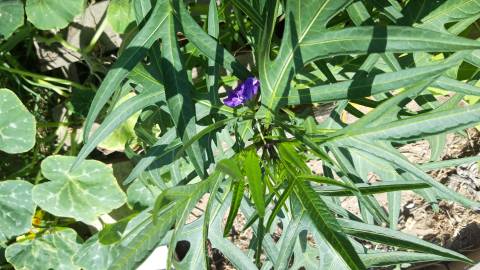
x=58, y=39
x=260, y=235
x=96, y=36
x=43, y=77
x=55, y=124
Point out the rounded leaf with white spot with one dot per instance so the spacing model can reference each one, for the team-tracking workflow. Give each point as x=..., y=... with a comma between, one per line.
x=52, y=250
x=50, y=14
x=16, y=208
x=11, y=16
x=17, y=124
x=83, y=193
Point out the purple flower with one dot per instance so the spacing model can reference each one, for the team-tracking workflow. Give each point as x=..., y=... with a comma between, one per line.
x=242, y=93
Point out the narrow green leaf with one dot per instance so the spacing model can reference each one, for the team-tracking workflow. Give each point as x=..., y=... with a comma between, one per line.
x=265, y=40
x=238, y=259
x=253, y=14
x=358, y=13
x=424, y=125
x=365, y=86
x=456, y=86
x=112, y=233
x=194, y=139
x=230, y=167
x=208, y=217
x=374, y=188
x=116, y=118
x=291, y=158
x=447, y=12
x=402, y=163
x=399, y=257
x=327, y=225
x=206, y=44
x=435, y=165
x=288, y=241
x=177, y=92
x=280, y=203
x=391, y=237
x=255, y=180
x=141, y=237
x=133, y=53
x=213, y=70
x=238, y=189
x=164, y=149
x=326, y=180
x=394, y=39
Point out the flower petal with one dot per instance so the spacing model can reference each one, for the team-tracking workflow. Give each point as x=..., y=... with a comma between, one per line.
x=243, y=92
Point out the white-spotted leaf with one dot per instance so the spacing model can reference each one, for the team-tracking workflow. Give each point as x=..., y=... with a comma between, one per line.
x=84, y=193
x=17, y=124
x=11, y=16
x=16, y=208
x=49, y=251
x=50, y=14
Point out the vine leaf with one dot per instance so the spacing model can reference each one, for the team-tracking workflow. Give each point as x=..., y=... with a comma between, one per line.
x=16, y=208
x=50, y=14
x=50, y=251
x=17, y=124
x=11, y=16
x=84, y=193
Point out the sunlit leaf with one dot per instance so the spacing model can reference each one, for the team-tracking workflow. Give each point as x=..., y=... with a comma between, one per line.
x=17, y=125
x=84, y=193
x=16, y=208
x=52, y=250
x=51, y=14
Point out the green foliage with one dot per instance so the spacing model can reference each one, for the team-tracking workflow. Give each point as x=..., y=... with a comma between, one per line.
x=83, y=193
x=17, y=208
x=11, y=16
x=120, y=14
x=387, y=73
x=17, y=124
x=52, y=250
x=50, y=14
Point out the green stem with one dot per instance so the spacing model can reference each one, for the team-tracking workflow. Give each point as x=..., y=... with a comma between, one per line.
x=44, y=78
x=96, y=36
x=58, y=39
x=260, y=235
x=55, y=124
